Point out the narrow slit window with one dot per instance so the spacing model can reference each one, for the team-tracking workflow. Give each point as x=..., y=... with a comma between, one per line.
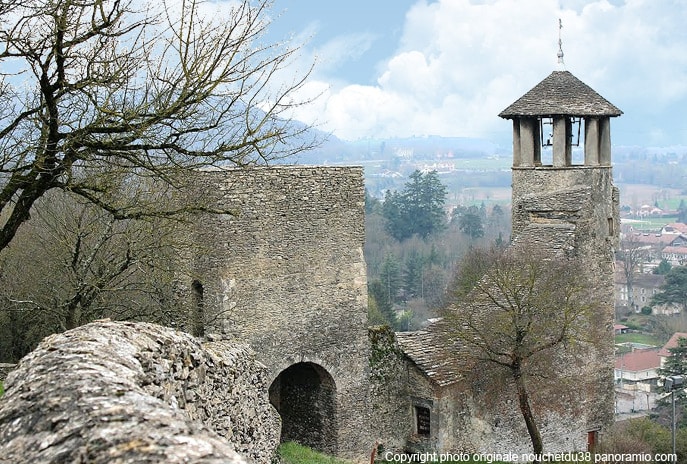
x=199, y=309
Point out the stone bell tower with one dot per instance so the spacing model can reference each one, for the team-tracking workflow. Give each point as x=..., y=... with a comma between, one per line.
x=564, y=201
x=559, y=115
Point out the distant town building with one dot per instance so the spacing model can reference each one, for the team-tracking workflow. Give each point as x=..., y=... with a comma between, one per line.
x=638, y=369
x=664, y=353
x=644, y=286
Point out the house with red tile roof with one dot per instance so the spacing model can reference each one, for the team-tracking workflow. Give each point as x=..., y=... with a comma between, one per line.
x=674, y=228
x=672, y=343
x=675, y=255
x=638, y=369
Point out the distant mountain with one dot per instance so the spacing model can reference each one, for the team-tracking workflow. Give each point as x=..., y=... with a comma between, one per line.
x=334, y=150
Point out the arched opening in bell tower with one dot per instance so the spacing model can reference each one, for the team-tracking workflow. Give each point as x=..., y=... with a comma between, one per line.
x=569, y=138
x=304, y=394
x=561, y=141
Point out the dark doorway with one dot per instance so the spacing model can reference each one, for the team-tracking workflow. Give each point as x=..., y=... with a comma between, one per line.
x=305, y=397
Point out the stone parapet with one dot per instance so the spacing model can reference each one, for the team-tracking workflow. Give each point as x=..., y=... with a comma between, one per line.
x=136, y=392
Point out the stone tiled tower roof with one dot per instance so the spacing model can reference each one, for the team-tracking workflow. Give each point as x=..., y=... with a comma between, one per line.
x=561, y=94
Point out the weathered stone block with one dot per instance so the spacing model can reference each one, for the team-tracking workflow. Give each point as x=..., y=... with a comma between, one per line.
x=134, y=392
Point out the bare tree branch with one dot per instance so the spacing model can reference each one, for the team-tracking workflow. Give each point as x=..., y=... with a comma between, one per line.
x=96, y=87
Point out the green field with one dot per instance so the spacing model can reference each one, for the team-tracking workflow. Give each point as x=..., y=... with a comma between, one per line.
x=650, y=224
x=645, y=339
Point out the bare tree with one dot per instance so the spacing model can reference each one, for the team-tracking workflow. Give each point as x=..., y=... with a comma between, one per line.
x=515, y=309
x=94, y=87
x=631, y=255
x=73, y=262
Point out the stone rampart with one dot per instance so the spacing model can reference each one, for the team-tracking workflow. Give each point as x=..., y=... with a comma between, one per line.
x=134, y=392
x=285, y=273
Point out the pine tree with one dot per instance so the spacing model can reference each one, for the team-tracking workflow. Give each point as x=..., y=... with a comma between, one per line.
x=471, y=224
x=676, y=364
x=674, y=290
x=418, y=209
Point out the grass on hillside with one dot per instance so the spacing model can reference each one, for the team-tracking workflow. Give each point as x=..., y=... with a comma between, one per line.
x=293, y=453
x=2, y=389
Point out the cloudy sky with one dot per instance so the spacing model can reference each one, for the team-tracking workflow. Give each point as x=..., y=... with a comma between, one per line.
x=388, y=68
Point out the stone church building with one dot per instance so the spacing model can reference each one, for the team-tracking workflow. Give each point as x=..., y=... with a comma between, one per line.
x=560, y=206
x=285, y=273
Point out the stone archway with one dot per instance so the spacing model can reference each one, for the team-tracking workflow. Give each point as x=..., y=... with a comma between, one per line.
x=304, y=394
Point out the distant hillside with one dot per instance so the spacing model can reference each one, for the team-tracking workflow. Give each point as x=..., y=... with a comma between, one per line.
x=335, y=150
x=469, y=163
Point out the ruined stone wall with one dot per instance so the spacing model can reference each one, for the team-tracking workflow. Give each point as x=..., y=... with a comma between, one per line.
x=113, y=392
x=567, y=211
x=398, y=386
x=576, y=208
x=389, y=390
x=5, y=368
x=285, y=273
x=492, y=421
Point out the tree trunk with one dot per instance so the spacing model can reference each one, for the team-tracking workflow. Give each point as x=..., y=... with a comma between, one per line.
x=630, y=294
x=526, y=409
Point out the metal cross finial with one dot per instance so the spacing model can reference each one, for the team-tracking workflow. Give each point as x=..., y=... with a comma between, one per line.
x=561, y=64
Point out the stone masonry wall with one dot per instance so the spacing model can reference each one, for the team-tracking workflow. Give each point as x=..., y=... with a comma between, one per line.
x=5, y=369
x=392, y=419
x=285, y=273
x=582, y=204
x=133, y=392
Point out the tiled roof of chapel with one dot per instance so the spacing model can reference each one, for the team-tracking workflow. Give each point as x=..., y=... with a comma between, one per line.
x=432, y=352
x=561, y=94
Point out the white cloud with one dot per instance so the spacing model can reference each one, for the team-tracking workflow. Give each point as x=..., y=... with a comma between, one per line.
x=341, y=49
x=460, y=62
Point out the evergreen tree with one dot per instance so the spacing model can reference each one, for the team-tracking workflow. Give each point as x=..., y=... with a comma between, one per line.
x=418, y=209
x=413, y=275
x=390, y=278
x=379, y=310
x=676, y=364
x=483, y=211
x=682, y=212
x=663, y=267
x=395, y=216
x=372, y=205
x=674, y=290
x=470, y=223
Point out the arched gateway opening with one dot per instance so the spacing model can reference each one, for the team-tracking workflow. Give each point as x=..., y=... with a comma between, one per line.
x=304, y=394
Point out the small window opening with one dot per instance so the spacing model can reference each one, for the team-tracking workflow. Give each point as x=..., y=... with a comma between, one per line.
x=422, y=420
x=198, y=329
x=611, y=227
